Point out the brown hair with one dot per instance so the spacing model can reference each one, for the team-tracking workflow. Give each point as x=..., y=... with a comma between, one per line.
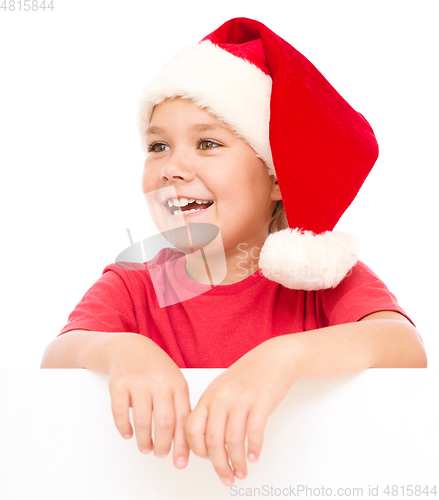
x=278, y=219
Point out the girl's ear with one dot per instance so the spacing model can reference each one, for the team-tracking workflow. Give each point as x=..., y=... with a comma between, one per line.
x=275, y=192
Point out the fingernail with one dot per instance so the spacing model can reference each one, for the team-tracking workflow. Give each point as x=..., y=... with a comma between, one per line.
x=226, y=481
x=239, y=475
x=252, y=457
x=161, y=455
x=180, y=462
x=146, y=450
x=126, y=436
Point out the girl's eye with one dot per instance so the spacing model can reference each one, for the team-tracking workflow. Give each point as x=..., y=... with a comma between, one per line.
x=157, y=147
x=206, y=144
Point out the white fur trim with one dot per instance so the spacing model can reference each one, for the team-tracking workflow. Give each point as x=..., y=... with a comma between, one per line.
x=234, y=90
x=301, y=260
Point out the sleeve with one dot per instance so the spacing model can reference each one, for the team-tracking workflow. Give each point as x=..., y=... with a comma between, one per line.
x=361, y=293
x=106, y=307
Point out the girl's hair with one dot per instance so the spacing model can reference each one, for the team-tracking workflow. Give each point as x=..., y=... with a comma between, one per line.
x=278, y=219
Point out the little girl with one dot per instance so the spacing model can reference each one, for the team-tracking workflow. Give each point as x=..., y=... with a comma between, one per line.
x=243, y=130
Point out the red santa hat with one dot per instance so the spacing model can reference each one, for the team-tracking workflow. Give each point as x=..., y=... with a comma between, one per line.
x=317, y=146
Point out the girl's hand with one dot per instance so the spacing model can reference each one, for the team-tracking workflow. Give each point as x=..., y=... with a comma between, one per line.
x=143, y=377
x=236, y=405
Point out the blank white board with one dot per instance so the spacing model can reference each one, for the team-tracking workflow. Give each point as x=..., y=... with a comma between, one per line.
x=375, y=429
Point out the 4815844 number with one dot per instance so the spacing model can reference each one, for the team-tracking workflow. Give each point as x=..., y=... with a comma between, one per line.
x=26, y=5
x=409, y=490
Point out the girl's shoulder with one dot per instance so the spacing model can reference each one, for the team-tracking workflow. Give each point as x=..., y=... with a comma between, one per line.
x=359, y=294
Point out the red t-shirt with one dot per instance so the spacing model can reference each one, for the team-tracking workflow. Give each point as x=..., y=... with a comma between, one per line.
x=216, y=328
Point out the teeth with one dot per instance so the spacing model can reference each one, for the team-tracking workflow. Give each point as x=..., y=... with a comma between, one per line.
x=182, y=202
x=181, y=212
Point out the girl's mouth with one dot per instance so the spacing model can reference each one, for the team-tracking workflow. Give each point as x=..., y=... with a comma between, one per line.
x=185, y=206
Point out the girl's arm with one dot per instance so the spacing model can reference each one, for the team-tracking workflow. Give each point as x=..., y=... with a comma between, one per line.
x=237, y=404
x=381, y=340
x=141, y=376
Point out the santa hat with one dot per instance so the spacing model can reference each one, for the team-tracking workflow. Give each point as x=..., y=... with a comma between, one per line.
x=317, y=146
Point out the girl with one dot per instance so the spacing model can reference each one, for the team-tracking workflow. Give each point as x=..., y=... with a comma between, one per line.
x=244, y=128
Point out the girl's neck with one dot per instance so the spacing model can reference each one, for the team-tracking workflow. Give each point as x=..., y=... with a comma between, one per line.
x=224, y=268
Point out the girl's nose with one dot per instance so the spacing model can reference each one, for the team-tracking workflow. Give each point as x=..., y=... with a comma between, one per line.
x=177, y=168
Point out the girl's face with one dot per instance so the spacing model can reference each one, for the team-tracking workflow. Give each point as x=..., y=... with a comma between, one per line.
x=201, y=157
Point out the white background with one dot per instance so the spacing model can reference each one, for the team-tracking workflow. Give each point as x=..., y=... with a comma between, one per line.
x=358, y=431
x=71, y=161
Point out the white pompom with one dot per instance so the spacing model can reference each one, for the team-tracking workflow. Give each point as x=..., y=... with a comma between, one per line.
x=302, y=260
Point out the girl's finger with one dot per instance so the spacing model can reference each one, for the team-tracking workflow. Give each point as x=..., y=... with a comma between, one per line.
x=216, y=445
x=181, y=446
x=195, y=430
x=142, y=419
x=235, y=441
x=120, y=404
x=164, y=424
x=255, y=434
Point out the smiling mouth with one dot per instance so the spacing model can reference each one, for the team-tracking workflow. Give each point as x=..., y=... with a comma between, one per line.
x=187, y=206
